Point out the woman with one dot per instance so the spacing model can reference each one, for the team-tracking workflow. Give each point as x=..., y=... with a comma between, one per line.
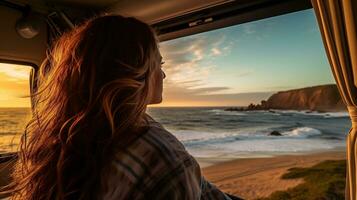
x=90, y=137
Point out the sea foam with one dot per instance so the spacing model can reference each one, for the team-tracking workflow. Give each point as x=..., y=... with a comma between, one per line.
x=302, y=132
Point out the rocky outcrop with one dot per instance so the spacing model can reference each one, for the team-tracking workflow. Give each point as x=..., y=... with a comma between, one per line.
x=319, y=98
x=322, y=98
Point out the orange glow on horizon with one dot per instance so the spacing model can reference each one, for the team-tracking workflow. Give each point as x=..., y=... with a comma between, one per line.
x=15, y=89
x=171, y=103
x=14, y=85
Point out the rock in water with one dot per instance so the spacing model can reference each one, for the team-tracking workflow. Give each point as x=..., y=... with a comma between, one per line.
x=275, y=133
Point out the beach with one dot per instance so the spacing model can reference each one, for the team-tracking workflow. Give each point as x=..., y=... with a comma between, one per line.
x=238, y=153
x=251, y=178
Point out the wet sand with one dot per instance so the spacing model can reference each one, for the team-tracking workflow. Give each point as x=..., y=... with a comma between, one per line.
x=251, y=178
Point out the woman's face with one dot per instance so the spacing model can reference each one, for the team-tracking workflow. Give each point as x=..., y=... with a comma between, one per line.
x=158, y=76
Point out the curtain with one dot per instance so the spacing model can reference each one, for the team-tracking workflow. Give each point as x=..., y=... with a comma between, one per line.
x=337, y=20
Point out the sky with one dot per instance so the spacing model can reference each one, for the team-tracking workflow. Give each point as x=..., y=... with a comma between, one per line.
x=233, y=66
x=14, y=85
x=245, y=63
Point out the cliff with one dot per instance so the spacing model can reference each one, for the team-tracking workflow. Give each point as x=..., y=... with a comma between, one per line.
x=318, y=98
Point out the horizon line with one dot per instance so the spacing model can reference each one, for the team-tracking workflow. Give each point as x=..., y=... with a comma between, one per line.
x=164, y=106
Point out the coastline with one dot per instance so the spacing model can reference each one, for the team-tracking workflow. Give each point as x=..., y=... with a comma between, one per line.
x=251, y=178
x=205, y=162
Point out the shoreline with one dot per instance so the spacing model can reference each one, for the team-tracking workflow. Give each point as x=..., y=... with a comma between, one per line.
x=255, y=177
x=205, y=162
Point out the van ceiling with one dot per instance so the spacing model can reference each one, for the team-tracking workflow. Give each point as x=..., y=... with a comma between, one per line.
x=173, y=18
x=151, y=11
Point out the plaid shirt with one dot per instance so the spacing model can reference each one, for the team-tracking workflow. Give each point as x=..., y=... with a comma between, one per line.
x=157, y=166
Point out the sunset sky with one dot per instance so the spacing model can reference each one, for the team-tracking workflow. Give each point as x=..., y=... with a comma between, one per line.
x=14, y=85
x=245, y=63
x=233, y=66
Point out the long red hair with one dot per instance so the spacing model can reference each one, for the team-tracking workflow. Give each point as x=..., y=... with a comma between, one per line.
x=93, y=89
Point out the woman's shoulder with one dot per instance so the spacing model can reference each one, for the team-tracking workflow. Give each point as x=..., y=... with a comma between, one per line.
x=157, y=149
x=142, y=166
x=161, y=141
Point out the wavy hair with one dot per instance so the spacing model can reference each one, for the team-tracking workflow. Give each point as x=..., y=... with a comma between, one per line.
x=93, y=89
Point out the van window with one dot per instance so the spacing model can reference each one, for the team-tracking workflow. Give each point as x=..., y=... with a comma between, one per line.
x=14, y=104
x=255, y=90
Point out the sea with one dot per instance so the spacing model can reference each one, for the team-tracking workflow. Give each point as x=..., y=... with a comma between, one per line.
x=12, y=125
x=213, y=132
x=208, y=132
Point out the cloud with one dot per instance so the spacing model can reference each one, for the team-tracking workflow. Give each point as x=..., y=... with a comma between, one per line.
x=14, y=85
x=249, y=28
x=259, y=30
x=13, y=72
x=208, y=90
x=189, y=65
x=216, y=52
x=182, y=94
x=190, y=58
x=176, y=95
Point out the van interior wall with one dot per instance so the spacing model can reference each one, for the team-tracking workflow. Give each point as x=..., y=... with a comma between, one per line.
x=13, y=47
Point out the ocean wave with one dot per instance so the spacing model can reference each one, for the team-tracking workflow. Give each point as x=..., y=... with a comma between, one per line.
x=205, y=138
x=302, y=132
x=312, y=113
x=6, y=122
x=224, y=112
x=283, y=112
x=190, y=137
x=334, y=114
x=263, y=146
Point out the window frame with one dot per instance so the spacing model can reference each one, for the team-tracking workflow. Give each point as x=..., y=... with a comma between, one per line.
x=225, y=15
